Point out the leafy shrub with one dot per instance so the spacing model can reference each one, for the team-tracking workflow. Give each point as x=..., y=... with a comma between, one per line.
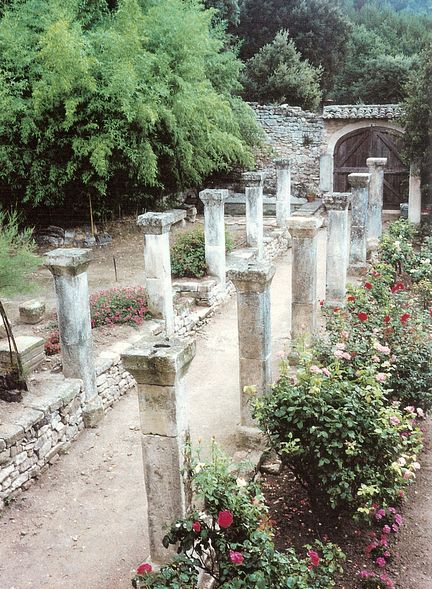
x=188, y=254
x=232, y=541
x=119, y=305
x=338, y=433
x=17, y=257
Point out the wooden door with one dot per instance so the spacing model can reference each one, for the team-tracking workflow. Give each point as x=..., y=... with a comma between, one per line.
x=352, y=151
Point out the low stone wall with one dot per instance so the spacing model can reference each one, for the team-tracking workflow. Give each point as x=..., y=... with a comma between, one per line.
x=35, y=432
x=112, y=380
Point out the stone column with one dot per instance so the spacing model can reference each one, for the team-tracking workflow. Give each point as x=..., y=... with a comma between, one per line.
x=159, y=366
x=69, y=269
x=336, y=204
x=214, y=229
x=304, y=232
x=252, y=281
x=376, y=167
x=326, y=172
x=283, y=191
x=414, y=195
x=254, y=182
x=157, y=263
x=359, y=220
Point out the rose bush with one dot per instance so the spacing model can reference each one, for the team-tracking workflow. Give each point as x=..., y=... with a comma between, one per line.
x=232, y=541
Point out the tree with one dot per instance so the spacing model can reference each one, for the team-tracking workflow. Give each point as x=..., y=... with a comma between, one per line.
x=319, y=28
x=418, y=117
x=227, y=10
x=371, y=74
x=115, y=106
x=277, y=73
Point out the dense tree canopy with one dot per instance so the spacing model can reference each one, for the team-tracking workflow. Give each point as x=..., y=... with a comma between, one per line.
x=125, y=102
x=278, y=74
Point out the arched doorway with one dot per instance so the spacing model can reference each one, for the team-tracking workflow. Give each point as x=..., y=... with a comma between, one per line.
x=352, y=151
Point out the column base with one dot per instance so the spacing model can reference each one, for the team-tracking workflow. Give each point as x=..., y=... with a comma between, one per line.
x=93, y=413
x=372, y=245
x=250, y=438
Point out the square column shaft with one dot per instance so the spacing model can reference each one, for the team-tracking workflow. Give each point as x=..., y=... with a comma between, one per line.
x=252, y=281
x=376, y=167
x=304, y=233
x=359, y=220
x=414, y=195
x=254, y=182
x=336, y=204
x=283, y=191
x=69, y=269
x=159, y=366
x=157, y=263
x=214, y=230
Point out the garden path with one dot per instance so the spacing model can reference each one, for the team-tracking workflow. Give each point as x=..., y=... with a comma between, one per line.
x=82, y=524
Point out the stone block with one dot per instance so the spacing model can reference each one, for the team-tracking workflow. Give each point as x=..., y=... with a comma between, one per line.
x=32, y=311
x=30, y=351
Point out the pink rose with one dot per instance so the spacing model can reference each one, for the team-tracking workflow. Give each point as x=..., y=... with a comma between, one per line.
x=196, y=526
x=236, y=557
x=144, y=568
x=380, y=561
x=314, y=557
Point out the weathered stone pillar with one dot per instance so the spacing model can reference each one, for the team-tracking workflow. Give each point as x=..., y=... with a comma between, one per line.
x=214, y=229
x=157, y=263
x=304, y=232
x=283, y=191
x=69, y=269
x=326, y=172
x=359, y=220
x=252, y=281
x=376, y=167
x=414, y=195
x=254, y=182
x=336, y=204
x=159, y=366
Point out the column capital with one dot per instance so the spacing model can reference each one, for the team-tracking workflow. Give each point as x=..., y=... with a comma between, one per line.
x=211, y=196
x=159, y=361
x=253, y=178
x=376, y=162
x=154, y=223
x=282, y=163
x=252, y=276
x=303, y=226
x=359, y=180
x=336, y=201
x=68, y=261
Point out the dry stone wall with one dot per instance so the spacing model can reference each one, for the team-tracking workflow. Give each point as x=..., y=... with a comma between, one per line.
x=293, y=133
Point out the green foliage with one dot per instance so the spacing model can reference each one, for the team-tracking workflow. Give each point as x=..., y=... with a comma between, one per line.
x=116, y=105
x=232, y=541
x=227, y=10
x=17, y=257
x=119, y=305
x=311, y=24
x=334, y=430
x=188, y=254
x=418, y=116
x=278, y=74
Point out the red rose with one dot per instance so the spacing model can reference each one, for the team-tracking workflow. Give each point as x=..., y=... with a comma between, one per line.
x=350, y=298
x=144, y=568
x=362, y=316
x=196, y=526
x=368, y=285
x=336, y=310
x=321, y=303
x=387, y=319
x=397, y=287
x=314, y=557
x=236, y=557
x=404, y=318
x=225, y=519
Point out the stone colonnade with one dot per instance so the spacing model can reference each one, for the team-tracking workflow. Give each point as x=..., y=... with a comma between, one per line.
x=159, y=365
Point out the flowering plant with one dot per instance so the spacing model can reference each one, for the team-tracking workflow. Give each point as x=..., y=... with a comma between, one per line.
x=232, y=541
x=371, y=580
x=119, y=305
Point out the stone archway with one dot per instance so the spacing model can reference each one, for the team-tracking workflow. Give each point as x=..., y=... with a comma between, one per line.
x=352, y=150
